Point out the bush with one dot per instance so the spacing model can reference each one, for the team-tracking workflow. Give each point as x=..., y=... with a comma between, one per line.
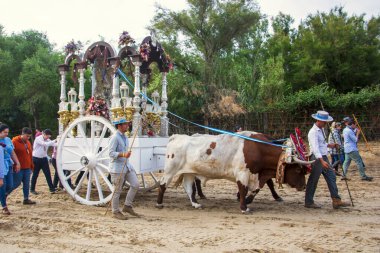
x=313, y=97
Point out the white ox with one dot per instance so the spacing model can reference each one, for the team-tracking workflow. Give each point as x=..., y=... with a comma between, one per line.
x=206, y=157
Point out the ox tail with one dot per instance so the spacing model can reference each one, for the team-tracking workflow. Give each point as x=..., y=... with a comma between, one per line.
x=179, y=181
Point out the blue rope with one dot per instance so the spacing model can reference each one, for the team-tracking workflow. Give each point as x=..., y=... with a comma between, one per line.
x=199, y=125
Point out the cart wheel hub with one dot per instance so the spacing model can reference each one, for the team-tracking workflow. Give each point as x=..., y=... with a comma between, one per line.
x=88, y=161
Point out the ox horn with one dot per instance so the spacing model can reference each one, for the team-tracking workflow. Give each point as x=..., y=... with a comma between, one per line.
x=303, y=162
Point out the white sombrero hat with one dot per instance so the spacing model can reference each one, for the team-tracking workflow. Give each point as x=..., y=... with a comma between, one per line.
x=119, y=120
x=322, y=116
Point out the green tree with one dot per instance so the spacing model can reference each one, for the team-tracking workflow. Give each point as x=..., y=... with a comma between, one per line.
x=38, y=88
x=210, y=29
x=14, y=50
x=338, y=49
x=272, y=83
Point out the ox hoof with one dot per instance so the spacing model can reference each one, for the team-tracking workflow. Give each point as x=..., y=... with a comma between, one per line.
x=249, y=199
x=196, y=205
x=246, y=211
x=159, y=206
x=279, y=199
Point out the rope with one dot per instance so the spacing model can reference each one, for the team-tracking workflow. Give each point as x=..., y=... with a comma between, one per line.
x=132, y=86
x=202, y=126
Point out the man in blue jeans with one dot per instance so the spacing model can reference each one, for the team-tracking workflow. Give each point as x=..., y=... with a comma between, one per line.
x=23, y=150
x=318, y=148
x=351, y=136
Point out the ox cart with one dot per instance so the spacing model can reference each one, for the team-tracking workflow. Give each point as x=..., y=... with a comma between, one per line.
x=85, y=126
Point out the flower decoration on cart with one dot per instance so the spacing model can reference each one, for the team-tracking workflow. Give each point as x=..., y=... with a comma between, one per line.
x=167, y=61
x=72, y=47
x=145, y=51
x=97, y=106
x=125, y=39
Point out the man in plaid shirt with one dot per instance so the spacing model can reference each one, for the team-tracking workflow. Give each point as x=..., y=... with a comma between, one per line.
x=337, y=154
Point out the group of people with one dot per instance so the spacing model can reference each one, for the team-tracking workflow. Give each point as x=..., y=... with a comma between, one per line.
x=19, y=161
x=319, y=150
x=347, y=149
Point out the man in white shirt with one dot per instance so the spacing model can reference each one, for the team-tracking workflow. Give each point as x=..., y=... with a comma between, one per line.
x=318, y=148
x=40, y=147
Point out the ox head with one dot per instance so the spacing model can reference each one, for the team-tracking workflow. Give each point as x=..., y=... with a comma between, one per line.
x=292, y=174
x=290, y=169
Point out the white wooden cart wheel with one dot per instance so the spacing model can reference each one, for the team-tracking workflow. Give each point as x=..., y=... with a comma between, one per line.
x=83, y=150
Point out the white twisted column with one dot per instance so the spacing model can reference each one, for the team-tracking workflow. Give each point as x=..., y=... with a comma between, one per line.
x=115, y=102
x=164, y=132
x=81, y=103
x=63, y=69
x=136, y=100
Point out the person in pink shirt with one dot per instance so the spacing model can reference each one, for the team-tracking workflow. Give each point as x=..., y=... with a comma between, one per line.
x=38, y=133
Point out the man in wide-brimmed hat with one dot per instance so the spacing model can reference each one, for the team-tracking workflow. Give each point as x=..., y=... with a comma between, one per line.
x=121, y=170
x=318, y=148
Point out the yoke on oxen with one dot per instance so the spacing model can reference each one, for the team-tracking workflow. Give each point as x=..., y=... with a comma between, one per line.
x=294, y=152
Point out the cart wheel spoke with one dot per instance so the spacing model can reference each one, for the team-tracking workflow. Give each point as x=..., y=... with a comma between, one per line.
x=89, y=185
x=78, y=143
x=74, y=173
x=81, y=181
x=109, y=184
x=71, y=162
x=98, y=186
x=102, y=152
x=103, y=159
x=101, y=138
x=73, y=152
x=143, y=180
x=92, y=136
x=83, y=134
x=154, y=177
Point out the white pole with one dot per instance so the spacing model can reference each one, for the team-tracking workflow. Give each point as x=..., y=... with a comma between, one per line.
x=115, y=90
x=63, y=90
x=81, y=96
x=164, y=132
x=136, y=100
x=62, y=105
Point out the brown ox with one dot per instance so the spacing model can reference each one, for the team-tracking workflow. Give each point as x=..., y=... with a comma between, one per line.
x=228, y=157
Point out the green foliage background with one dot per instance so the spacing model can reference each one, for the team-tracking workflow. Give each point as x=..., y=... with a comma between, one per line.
x=221, y=49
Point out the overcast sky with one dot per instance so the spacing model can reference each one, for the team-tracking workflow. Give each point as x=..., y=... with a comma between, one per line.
x=86, y=20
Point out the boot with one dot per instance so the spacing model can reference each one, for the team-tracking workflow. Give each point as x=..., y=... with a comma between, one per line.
x=28, y=202
x=119, y=216
x=129, y=209
x=6, y=211
x=337, y=203
x=313, y=205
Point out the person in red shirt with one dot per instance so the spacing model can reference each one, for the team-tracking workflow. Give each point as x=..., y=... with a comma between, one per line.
x=23, y=150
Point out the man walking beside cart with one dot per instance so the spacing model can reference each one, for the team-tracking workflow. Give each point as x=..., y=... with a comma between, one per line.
x=121, y=170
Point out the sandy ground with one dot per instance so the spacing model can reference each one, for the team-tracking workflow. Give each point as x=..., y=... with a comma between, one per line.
x=58, y=224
